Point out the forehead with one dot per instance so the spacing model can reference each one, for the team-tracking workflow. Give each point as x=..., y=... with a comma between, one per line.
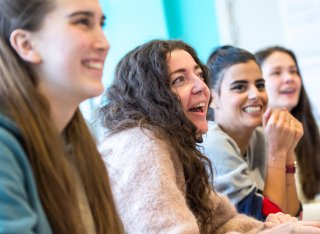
x=66, y=6
x=279, y=58
x=249, y=71
x=180, y=59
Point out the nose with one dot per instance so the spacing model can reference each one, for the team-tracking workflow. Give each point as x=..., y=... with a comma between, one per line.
x=101, y=42
x=288, y=77
x=253, y=93
x=198, y=85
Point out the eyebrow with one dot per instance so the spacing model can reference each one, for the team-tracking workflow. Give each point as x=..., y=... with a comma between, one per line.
x=246, y=82
x=239, y=82
x=184, y=70
x=86, y=13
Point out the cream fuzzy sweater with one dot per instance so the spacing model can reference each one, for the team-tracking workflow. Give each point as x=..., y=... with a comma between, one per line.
x=148, y=186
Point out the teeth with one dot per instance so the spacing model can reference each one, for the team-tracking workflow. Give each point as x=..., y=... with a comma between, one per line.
x=252, y=109
x=199, y=105
x=94, y=65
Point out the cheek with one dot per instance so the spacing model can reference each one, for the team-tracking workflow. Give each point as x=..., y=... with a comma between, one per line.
x=299, y=83
x=272, y=87
x=265, y=98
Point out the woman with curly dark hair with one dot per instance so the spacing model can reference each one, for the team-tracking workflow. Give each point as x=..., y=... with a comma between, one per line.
x=285, y=90
x=155, y=115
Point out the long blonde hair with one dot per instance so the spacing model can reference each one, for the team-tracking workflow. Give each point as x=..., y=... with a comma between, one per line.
x=21, y=102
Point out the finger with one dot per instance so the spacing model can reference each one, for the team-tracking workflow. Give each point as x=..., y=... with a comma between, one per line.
x=283, y=118
x=266, y=116
x=274, y=115
x=274, y=218
x=268, y=224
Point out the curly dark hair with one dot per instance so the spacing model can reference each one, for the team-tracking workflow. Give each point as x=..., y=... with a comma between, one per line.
x=308, y=149
x=140, y=95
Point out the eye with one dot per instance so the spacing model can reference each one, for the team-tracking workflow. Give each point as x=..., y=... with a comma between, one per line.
x=103, y=22
x=276, y=73
x=83, y=21
x=294, y=72
x=239, y=87
x=177, y=80
x=200, y=75
x=260, y=85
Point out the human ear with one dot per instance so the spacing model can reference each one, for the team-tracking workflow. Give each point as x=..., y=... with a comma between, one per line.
x=20, y=41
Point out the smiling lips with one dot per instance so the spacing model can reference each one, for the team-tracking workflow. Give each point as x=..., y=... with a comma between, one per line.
x=95, y=65
x=253, y=109
x=288, y=91
x=198, y=108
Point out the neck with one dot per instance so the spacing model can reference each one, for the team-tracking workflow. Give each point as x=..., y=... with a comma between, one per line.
x=61, y=115
x=62, y=106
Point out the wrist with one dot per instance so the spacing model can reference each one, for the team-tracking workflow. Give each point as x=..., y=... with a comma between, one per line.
x=291, y=168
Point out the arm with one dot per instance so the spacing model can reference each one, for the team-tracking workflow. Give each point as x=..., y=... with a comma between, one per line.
x=145, y=184
x=291, y=190
x=282, y=135
x=228, y=220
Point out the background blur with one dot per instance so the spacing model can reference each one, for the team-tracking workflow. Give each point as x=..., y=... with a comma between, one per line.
x=205, y=24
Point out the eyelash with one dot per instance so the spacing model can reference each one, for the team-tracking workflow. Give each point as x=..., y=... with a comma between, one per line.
x=83, y=21
x=103, y=24
x=201, y=75
x=241, y=87
x=88, y=23
x=261, y=86
x=177, y=80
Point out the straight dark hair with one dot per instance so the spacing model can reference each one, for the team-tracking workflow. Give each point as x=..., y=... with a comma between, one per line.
x=222, y=58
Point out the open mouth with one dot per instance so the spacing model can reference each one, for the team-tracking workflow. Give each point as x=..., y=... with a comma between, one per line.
x=198, y=108
x=288, y=91
x=253, y=109
x=93, y=65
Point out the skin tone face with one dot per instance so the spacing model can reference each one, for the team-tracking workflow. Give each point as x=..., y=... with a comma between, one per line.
x=72, y=49
x=242, y=99
x=187, y=82
x=283, y=82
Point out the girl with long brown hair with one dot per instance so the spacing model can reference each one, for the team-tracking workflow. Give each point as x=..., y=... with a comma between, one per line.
x=52, y=178
x=286, y=90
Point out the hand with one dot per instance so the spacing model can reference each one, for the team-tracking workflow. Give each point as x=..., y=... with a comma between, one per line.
x=297, y=227
x=282, y=131
x=278, y=218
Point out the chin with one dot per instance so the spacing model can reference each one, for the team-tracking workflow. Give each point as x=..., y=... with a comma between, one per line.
x=95, y=92
x=202, y=130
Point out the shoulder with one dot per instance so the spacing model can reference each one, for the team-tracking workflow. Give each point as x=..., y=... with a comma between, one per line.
x=132, y=140
x=258, y=137
x=11, y=150
x=137, y=149
x=217, y=142
x=128, y=137
x=14, y=162
x=257, y=150
x=18, y=190
x=216, y=137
